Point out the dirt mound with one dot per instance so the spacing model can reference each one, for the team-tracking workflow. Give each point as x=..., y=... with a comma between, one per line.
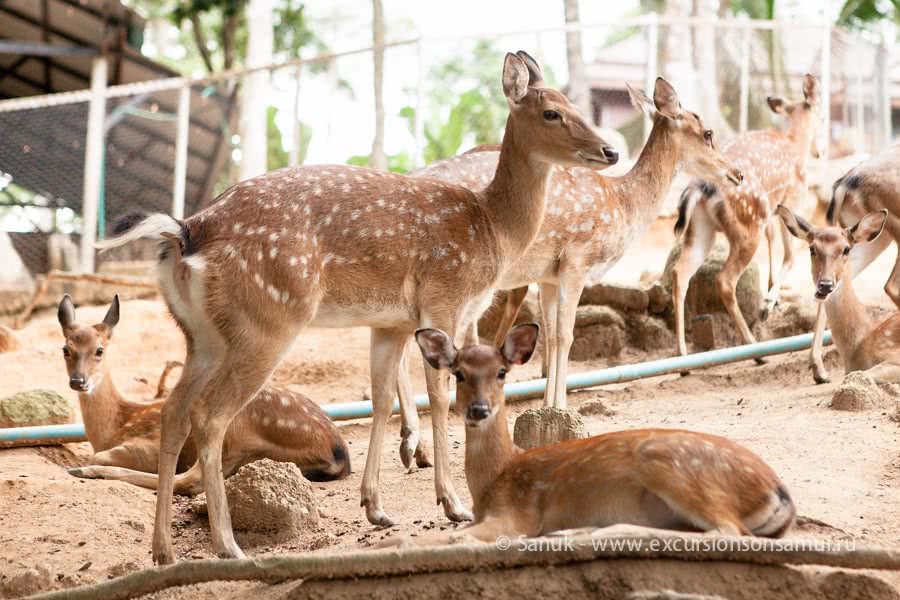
x=547, y=425
x=858, y=392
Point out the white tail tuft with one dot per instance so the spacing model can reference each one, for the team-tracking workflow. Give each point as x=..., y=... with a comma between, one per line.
x=152, y=227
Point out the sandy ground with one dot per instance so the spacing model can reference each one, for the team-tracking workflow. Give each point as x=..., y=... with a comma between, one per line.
x=841, y=468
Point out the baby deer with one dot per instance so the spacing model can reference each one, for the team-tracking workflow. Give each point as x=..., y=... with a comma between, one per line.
x=864, y=345
x=278, y=424
x=658, y=478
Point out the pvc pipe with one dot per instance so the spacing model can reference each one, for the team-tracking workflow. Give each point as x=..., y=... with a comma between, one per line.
x=522, y=389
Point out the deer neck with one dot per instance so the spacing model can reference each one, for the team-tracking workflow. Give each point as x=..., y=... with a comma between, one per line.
x=514, y=200
x=848, y=319
x=800, y=133
x=489, y=449
x=102, y=410
x=644, y=187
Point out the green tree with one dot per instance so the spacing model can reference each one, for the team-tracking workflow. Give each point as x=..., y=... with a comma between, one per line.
x=862, y=14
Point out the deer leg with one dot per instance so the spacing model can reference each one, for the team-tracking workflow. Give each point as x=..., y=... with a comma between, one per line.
x=514, y=300
x=739, y=256
x=816, y=363
x=885, y=372
x=189, y=483
x=787, y=264
x=571, y=284
x=412, y=446
x=549, y=299
x=386, y=354
x=698, y=240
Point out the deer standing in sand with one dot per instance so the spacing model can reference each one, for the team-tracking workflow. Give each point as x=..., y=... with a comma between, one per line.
x=871, y=185
x=774, y=167
x=661, y=478
x=342, y=246
x=277, y=424
x=591, y=219
x=864, y=345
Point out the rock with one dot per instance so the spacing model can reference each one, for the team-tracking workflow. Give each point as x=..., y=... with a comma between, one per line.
x=658, y=298
x=269, y=497
x=702, y=295
x=28, y=582
x=793, y=319
x=8, y=340
x=490, y=320
x=35, y=407
x=649, y=333
x=703, y=333
x=859, y=392
x=622, y=297
x=599, y=332
x=547, y=425
x=595, y=407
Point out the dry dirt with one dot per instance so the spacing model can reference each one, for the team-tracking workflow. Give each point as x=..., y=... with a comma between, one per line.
x=842, y=468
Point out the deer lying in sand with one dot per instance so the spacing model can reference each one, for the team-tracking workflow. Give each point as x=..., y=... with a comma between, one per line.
x=871, y=185
x=864, y=345
x=343, y=246
x=669, y=479
x=278, y=424
x=774, y=167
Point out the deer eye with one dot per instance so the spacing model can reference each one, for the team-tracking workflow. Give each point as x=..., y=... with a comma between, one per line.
x=66, y=352
x=99, y=352
x=550, y=115
x=501, y=374
x=459, y=377
x=846, y=250
x=707, y=135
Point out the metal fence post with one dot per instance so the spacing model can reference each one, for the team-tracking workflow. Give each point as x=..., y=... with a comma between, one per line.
x=181, y=151
x=745, y=79
x=825, y=135
x=93, y=163
x=419, y=122
x=652, y=66
x=294, y=153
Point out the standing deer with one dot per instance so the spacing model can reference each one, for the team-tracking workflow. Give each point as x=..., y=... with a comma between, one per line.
x=864, y=345
x=661, y=478
x=278, y=424
x=341, y=246
x=869, y=186
x=774, y=167
x=592, y=219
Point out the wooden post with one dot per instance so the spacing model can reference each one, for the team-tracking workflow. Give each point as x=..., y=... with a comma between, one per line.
x=181, y=151
x=745, y=78
x=652, y=66
x=93, y=162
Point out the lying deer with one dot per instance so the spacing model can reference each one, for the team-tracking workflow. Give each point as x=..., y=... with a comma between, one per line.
x=661, y=478
x=863, y=344
x=774, y=165
x=592, y=219
x=278, y=424
x=343, y=246
x=871, y=185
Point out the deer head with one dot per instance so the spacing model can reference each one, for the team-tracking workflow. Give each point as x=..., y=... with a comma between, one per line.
x=803, y=115
x=694, y=143
x=480, y=370
x=830, y=247
x=85, y=347
x=565, y=138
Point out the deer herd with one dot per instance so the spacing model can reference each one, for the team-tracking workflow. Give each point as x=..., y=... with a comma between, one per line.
x=421, y=256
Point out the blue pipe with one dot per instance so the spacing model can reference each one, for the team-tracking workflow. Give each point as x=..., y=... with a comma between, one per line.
x=518, y=390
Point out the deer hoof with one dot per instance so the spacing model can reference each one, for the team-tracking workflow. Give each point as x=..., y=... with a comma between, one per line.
x=83, y=472
x=820, y=375
x=407, y=454
x=760, y=360
x=454, y=511
x=166, y=557
x=423, y=461
x=377, y=517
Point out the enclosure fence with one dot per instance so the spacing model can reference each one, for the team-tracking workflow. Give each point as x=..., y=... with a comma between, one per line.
x=73, y=162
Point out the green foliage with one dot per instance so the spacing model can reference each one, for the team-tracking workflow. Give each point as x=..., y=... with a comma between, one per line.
x=276, y=155
x=397, y=163
x=861, y=14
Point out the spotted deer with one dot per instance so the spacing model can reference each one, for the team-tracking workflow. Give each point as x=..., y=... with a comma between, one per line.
x=774, y=167
x=592, y=219
x=342, y=246
x=871, y=185
x=661, y=478
x=864, y=345
x=277, y=423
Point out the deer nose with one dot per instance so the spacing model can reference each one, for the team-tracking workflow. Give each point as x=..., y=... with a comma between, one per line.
x=824, y=287
x=478, y=411
x=77, y=382
x=610, y=154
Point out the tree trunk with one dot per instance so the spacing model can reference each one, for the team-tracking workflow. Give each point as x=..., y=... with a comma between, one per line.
x=200, y=40
x=255, y=89
x=705, y=64
x=678, y=65
x=579, y=93
x=378, y=160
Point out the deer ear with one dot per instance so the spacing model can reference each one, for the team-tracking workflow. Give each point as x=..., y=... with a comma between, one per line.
x=811, y=89
x=665, y=98
x=515, y=78
x=519, y=344
x=437, y=348
x=66, y=312
x=797, y=225
x=868, y=228
x=777, y=104
x=112, y=315
x=535, y=75
x=640, y=100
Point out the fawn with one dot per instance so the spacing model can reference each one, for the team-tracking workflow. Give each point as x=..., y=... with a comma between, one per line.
x=661, y=478
x=864, y=345
x=278, y=424
x=341, y=246
x=871, y=185
x=774, y=165
x=592, y=219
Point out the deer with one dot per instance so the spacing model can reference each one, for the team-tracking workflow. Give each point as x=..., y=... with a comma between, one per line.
x=871, y=185
x=278, y=424
x=342, y=246
x=774, y=166
x=864, y=345
x=659, y=478
x=592, y=219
